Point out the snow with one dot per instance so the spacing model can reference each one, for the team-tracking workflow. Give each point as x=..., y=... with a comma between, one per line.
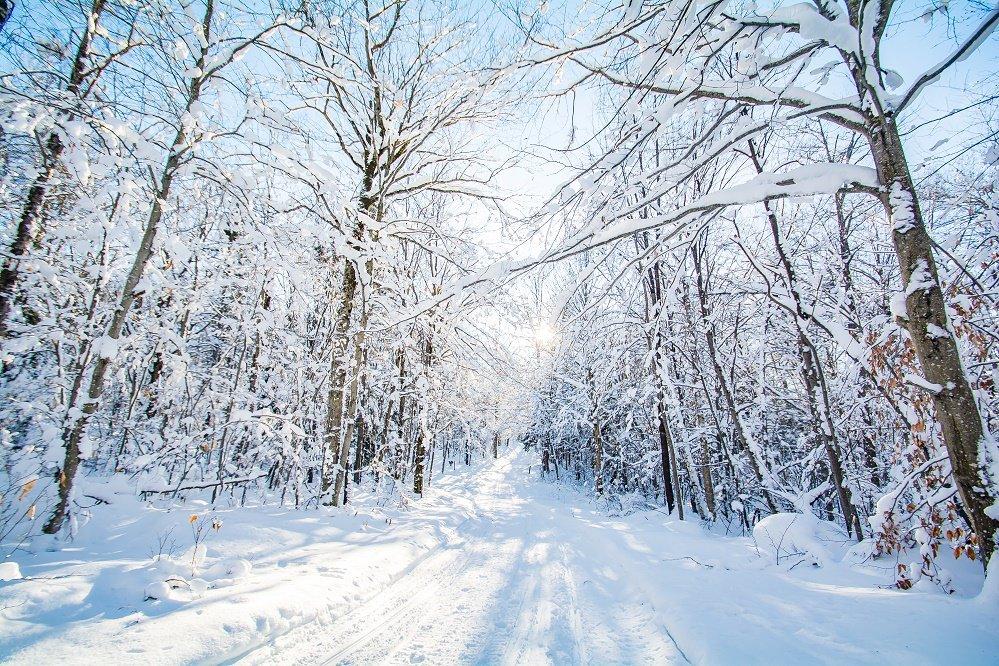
x=933, y=331
x=802, y=537
x=923, y=383
x=920, y=280
x=493, y=566
x=9, y=571
x=632, y=10
x=813, y=26
x=106, y=347
x=902, y=210
x=811, y=179
x=897, y=305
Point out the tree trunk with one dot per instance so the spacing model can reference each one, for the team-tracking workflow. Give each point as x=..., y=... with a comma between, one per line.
x=350, y=413
x=598, y=450
x=73, y=433
x=421, y=435
x=853, y=325
x=742, y=439
x=338, y=379
x=400, y=416
x=819, y=407
x=653, y=283
x=706, y=481
x=421, y=454
x=665, y=449
x=359, y=449
x=928, y=327
x=815, y=387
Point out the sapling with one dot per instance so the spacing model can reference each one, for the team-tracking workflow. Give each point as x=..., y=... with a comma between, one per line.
x=201, y=528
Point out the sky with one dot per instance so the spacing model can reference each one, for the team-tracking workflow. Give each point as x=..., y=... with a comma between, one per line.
x=544, y=124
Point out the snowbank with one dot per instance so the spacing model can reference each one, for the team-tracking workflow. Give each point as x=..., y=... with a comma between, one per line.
x=9, y=571
x=134, y=582
x=795, y=538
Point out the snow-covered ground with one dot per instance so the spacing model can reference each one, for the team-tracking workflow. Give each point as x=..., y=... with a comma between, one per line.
x=492, y=566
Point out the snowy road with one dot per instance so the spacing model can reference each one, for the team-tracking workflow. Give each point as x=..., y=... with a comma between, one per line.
x=517, y=585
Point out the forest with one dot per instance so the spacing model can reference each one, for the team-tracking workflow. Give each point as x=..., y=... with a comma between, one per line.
x=313, y=312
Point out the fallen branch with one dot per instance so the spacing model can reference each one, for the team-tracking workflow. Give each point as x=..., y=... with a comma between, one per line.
x=202, y=486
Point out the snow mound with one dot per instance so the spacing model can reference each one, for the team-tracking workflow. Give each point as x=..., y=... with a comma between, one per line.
x=989, y=596
x=10, y=571
x=796, y=538
x=629, y=503
x=184, y=579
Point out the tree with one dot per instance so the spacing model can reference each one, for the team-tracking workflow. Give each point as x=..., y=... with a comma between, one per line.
x=88, y=386
x=399, y=112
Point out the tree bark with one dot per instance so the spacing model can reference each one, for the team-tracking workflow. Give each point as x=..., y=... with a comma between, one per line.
x=929, y=330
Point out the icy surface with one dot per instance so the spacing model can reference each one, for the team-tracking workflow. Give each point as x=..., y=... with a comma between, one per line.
x=493, y=566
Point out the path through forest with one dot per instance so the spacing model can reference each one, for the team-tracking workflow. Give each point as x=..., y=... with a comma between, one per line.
x=518, y=585
x=537, y=575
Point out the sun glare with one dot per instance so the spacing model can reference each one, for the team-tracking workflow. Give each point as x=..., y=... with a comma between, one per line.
x=544, y=334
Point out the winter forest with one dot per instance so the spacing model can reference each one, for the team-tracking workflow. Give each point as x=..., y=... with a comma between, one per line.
x=499, y=332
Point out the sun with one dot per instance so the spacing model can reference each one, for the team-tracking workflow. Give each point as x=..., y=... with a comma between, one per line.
x=545, y=334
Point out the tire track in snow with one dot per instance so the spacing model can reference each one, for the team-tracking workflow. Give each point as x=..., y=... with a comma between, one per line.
x=521, y=582
x=392, y=615
x=271, y=648
x=640, y=622
x=285, y=647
